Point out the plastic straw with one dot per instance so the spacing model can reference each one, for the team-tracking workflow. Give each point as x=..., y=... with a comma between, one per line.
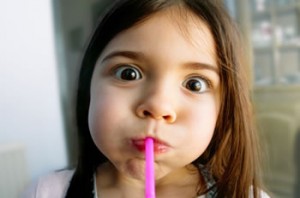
x=149, y=181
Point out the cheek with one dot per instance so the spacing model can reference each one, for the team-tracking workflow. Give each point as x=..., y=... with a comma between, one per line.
x=201, y=122
x=102, y=116
x=96, y=121
x=203, y=115
x=104, y=105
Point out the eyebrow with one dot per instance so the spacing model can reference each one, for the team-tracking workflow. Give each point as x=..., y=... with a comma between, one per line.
x=141, y=56
x=201, y=66
x=127, y=54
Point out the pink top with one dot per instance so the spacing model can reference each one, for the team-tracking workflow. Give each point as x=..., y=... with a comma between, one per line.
x=53, y=185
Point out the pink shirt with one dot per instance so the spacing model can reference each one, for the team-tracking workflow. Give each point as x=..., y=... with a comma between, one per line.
x=53, y=185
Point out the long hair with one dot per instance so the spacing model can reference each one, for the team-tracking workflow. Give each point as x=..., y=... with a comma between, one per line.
x=232, y=155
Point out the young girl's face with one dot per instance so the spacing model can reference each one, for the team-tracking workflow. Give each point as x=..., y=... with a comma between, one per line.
x=159, y=79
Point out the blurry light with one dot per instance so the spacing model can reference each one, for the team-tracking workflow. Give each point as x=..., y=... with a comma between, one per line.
x=260, y=5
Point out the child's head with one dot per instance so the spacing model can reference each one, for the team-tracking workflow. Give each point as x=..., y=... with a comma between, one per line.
x=158, y=78
x=172, y=70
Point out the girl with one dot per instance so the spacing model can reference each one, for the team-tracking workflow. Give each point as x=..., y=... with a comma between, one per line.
x=172, y=70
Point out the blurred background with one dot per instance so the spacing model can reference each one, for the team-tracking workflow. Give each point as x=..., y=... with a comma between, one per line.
x=41, y=43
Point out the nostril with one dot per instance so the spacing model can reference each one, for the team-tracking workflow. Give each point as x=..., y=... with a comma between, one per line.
x=146, y=113
x=166, y=117
x=169, y=117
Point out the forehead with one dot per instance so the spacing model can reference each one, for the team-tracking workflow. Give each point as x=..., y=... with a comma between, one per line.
x=175, y=28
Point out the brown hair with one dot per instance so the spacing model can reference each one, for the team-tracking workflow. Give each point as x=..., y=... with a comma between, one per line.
x=232, y=155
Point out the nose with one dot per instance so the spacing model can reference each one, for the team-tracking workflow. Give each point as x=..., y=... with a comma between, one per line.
x=158, y=106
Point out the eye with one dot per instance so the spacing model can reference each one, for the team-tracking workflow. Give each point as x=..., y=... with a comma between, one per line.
x=128, y=73
x=197, y=84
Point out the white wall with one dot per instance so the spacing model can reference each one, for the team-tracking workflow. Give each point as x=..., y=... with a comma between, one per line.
x=30, y=110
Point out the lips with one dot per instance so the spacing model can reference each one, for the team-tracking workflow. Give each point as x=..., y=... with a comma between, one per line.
x=159, y=146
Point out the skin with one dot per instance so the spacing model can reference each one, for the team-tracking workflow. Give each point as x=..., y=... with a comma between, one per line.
x=166, y=54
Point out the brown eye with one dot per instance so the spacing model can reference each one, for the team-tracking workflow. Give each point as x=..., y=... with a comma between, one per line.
x=128, y=73
x=198, y=85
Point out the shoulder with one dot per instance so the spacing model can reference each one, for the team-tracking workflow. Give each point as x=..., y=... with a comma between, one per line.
x=52, y=185
x=210, y=182
x=262, y=194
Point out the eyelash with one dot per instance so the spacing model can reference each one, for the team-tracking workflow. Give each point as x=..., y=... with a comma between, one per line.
x=120, y=66
x=196, y=83
x=207, y=80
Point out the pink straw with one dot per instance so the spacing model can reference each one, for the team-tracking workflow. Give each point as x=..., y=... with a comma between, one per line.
x=149, y=181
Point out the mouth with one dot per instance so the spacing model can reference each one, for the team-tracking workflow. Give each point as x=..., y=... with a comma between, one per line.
x=159, y=146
